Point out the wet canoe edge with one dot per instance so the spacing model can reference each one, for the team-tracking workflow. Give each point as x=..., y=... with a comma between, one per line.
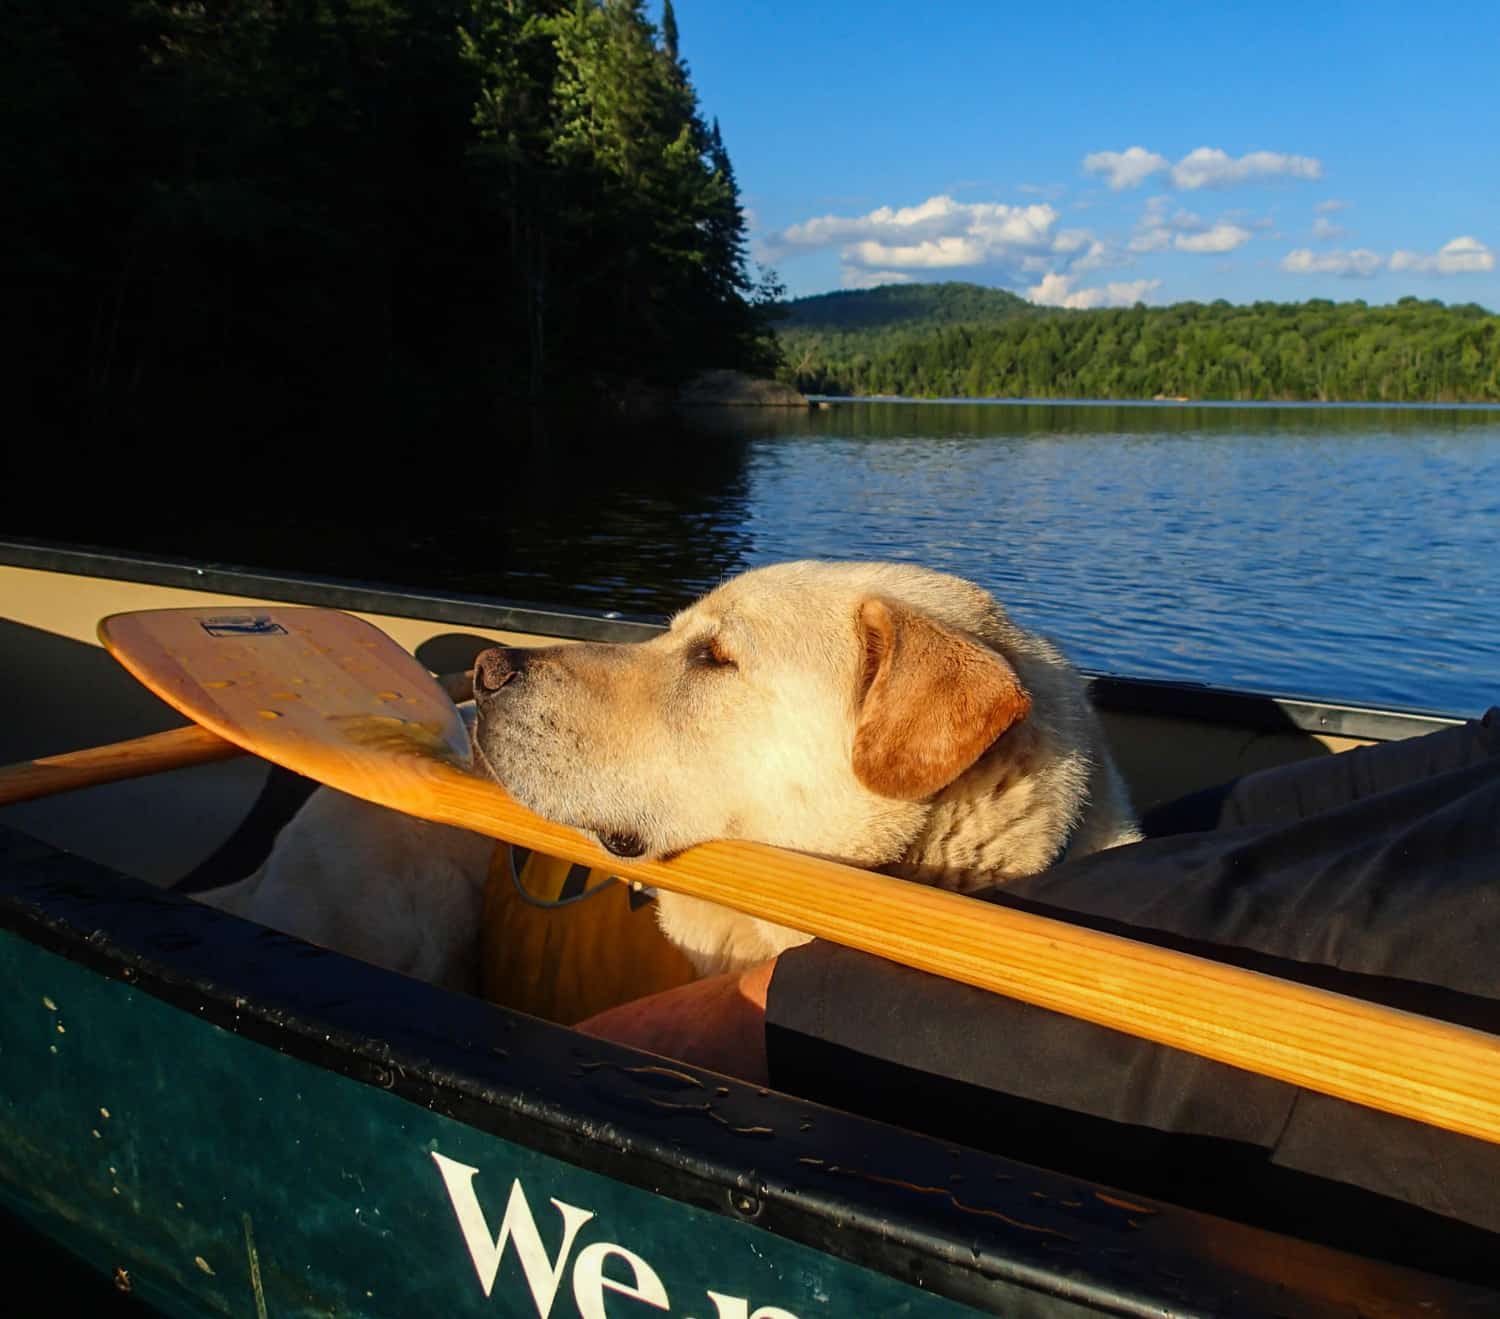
x=897, y=1219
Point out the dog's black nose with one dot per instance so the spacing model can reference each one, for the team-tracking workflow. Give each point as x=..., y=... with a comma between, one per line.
x=495, y=667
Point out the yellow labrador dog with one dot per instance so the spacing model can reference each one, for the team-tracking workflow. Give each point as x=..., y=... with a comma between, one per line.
x=880, y=714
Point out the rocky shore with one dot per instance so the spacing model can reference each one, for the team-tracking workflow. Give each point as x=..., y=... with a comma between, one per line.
x=736, y=389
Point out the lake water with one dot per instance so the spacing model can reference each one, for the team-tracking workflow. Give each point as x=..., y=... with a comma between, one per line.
x=1345, y=553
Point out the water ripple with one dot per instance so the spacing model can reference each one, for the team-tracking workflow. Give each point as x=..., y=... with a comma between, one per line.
x=1337, y=553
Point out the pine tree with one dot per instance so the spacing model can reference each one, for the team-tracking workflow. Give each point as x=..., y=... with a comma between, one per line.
x=669, y=34
x=630, y=128
x=510, y=47
x=295, y=203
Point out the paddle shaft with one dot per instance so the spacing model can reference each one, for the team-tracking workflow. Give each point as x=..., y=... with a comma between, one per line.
x=1413, y=1066
x=174, y=749
x=336, y=700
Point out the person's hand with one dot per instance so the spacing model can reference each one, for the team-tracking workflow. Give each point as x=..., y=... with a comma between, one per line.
x=718, y=1023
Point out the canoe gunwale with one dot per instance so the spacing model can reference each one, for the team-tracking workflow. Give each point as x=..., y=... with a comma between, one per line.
x=1111, y=692
x=896, y=1213
x=329, y=592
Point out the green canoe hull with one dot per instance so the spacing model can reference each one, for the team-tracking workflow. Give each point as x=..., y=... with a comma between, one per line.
x=229, y=1121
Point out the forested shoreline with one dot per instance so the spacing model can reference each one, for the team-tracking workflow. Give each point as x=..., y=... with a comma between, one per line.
x=257, y=214
x=943, y=341
x=257, y=220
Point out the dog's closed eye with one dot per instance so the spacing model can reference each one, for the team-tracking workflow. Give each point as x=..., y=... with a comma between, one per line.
x=710, y=654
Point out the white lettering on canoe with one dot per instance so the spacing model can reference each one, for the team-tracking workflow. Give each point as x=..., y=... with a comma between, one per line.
x=737, y=1307
x=544, y=1273
x=589, y=1281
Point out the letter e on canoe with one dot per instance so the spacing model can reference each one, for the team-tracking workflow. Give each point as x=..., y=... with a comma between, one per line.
x=589, y=1281
x=737, y=1307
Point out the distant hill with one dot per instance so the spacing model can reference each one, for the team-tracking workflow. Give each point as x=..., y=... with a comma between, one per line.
x=964, y=341
x=906, y=305
x=860, y=324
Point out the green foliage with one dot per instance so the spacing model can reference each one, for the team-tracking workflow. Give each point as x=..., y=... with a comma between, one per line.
x=909, y=306
x=855, y=326
x=960, y=341
x=283, y=205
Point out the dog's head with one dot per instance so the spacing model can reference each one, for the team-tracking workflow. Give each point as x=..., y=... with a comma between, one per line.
x=816, y=706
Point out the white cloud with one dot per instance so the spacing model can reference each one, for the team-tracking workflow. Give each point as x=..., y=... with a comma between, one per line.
x=938, y=234
x=1125, y=169
x=1011, y=224
x=912, y=226
x=1204, y=167
x=1460, y=256
x=1153, y=231
x=1326, y=231
x=1083, y=250
x=1261, y=223
x=1222, y=237
x=855, y=277
x=931, y=253
x=1160, y=228
x=934, y=216
x=1208, y=167
x=1099, y=256
x=1051, y=291
x=1330, y=206
x=1151, y=240
x=1359, y=264
x=1069, y=241
x=1058, y=291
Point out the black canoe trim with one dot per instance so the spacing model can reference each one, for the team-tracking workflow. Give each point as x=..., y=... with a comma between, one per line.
x=329, y=592
x=1184, y=700
x=518, y=1078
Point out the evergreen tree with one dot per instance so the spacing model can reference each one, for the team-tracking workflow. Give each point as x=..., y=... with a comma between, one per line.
x=309, y=207
x=669, y=35
x=509, y=46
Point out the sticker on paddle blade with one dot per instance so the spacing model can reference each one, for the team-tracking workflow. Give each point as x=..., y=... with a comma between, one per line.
x=242, y=625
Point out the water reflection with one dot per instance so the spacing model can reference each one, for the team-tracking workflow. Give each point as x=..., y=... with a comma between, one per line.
x=1334, y=552
x=639, y=518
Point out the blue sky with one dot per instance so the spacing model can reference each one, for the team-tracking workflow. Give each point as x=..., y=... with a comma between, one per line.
x=1091, y=154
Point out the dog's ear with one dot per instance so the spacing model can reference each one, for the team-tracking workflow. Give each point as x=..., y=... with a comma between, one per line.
x=933, y=701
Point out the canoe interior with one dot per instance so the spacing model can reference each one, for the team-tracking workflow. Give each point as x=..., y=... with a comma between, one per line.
x=112, y=986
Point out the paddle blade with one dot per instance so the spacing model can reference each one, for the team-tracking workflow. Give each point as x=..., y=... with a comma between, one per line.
x=315, y=689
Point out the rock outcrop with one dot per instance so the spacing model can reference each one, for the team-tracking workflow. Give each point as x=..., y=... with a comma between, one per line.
x=736, y=389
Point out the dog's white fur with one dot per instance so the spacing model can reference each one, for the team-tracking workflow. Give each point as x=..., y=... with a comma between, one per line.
x=384, y=887
x=880, y=714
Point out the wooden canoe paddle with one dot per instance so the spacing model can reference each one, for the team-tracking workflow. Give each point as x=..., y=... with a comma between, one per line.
x=333, y=698
x=176, y=748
